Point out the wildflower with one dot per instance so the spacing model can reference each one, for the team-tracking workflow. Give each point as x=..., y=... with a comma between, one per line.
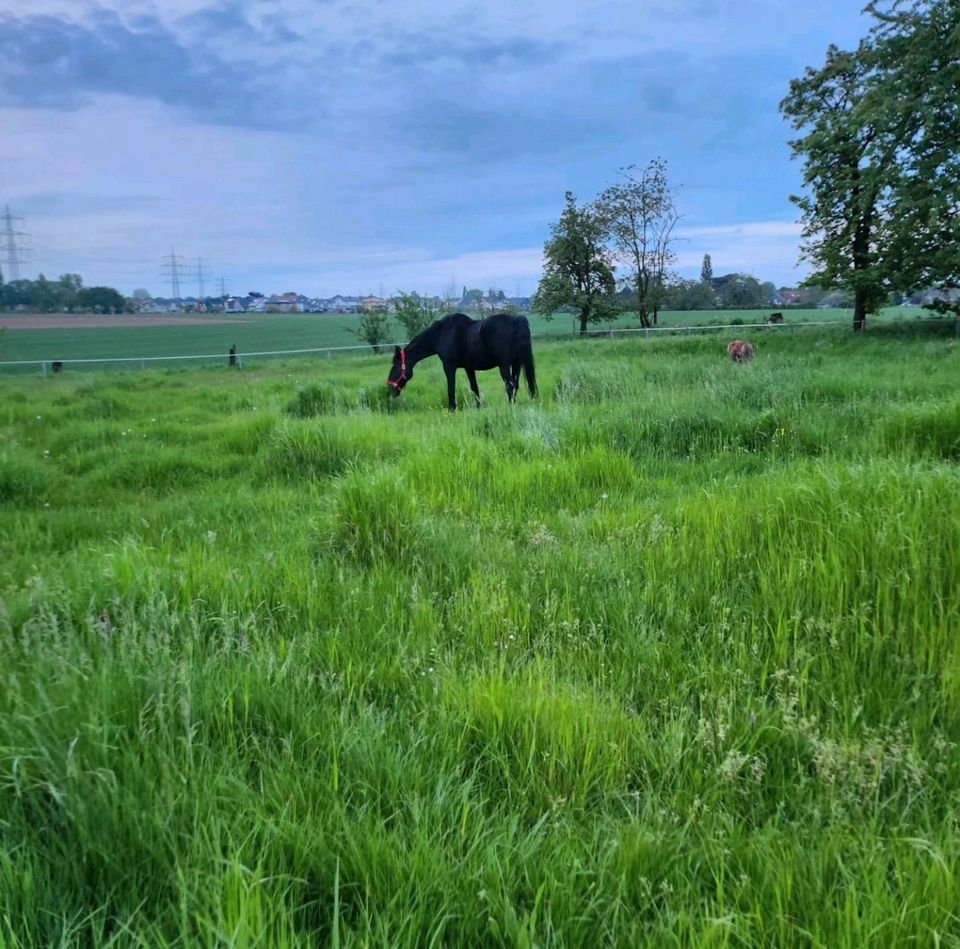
x=731, y=765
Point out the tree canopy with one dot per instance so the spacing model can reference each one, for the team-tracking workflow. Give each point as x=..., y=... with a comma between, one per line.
x=638, y=216
x=881, y=170
x=578, y=272
x=64, y=295
x=414, y=313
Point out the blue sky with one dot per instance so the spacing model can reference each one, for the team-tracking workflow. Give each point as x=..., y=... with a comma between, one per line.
x=357, y=146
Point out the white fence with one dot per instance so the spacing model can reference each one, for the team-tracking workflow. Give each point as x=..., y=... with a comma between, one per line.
x=48, y=366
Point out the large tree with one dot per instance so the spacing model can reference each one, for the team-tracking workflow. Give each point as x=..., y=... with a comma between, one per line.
x=846, y=172
x=918, y=52
x=102, y=300
x=690, y=295
x=706, y=271
x=578, y=271
x=881, y=169
x=639, y=216
x=738, y=290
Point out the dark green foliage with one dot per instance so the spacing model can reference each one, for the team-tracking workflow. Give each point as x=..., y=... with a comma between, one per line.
x=57, y=296
x=414, y=313
x=373, y=328
x=638, y=216
x=579, y=271
x=881, y=168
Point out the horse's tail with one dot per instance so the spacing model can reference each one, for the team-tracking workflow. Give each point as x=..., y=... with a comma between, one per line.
x=525, y=353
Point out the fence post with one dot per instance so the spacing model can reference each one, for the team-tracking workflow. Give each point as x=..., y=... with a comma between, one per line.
x=239, y=361
x=44, y=365
x=142, y=365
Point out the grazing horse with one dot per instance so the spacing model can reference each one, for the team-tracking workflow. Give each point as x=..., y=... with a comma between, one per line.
x=501, y=341
x=740, y=351
x=775, y=318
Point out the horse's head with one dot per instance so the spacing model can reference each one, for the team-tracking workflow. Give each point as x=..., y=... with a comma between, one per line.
x=400, y=372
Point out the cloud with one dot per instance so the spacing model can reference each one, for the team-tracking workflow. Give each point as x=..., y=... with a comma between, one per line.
x=767, y=249
x=223, y=19
x=425, y=51
x=331, y=145
x=72, y=204
x=59, y=63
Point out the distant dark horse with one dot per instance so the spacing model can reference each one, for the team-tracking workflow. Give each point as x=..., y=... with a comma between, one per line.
x=499, y=342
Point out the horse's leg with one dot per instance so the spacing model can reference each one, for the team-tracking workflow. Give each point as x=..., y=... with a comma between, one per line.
x=472, y=376
x=451, y=372
x=508, y=383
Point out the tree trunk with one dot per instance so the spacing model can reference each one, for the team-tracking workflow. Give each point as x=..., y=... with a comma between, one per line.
x=859, y=310
x=584, y=314
x=861, y=260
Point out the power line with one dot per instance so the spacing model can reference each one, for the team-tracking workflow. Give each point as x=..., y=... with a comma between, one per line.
x=223, y=288
x=172, y=263
x=15, y=252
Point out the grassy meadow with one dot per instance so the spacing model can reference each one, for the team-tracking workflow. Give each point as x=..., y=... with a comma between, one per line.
x=667, y=657
x=265, y=332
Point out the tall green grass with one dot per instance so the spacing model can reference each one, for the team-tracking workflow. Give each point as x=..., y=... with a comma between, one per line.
x=668, y=657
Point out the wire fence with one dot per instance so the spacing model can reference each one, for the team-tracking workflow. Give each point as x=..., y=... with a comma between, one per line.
x=55, y=366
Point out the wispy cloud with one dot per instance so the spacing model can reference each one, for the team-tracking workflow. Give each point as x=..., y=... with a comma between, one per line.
x=765, y=249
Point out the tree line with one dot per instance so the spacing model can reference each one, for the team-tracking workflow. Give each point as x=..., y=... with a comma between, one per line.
x=65, y=295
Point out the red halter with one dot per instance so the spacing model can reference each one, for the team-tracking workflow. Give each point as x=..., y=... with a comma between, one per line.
x=401, y=380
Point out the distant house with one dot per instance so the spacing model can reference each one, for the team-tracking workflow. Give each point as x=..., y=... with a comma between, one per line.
x=155, y=306
x=373, y=304
x=284, y=303
x=834, y=301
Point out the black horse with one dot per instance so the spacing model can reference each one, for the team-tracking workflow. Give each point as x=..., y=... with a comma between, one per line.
x=499, y=342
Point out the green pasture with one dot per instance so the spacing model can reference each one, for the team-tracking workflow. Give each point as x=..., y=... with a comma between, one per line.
x=668, y=657
x=275, y=331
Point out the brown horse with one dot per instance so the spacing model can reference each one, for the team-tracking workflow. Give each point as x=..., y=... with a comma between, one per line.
x=740, y=351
